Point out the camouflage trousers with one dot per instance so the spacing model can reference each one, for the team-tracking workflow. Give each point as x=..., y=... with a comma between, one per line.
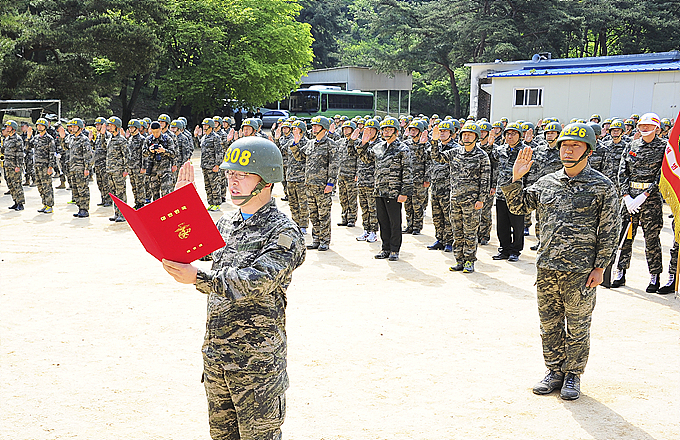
x=297, y=202
x=103, y=181
x=650, y=217
x=224, y=185
x=369, y=215
x=441, y=217
x=44, y=182
x=160, y=184
x=14, y=184
x=138, y=183
x=415, y=207
x=213, y=186
x=527, y=220
x=319, y=205
x=565, y=308
x=80, y=190
x=65, y=170
x=347, y=192
x=464, y=224
x=484, y=232
x=244, y=406
x=118, y=185
x=29, y=166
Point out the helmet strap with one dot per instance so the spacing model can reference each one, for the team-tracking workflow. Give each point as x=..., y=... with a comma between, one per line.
x=573, y=163
x=257, y=190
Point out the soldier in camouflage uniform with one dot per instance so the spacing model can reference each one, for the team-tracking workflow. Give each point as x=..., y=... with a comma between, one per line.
x=599, y=157
x=245, y=347
x=470, y=171
x=185, y=146
x=578, y=207
x=321, y=173
x=417, y=142
x=615, y=147
x=29, y=160
x=62, y=140
x=45, y=163
x=365, y=179
x=282, y=136
x=101, y=140
x=347, y=186
x=13, y=150
x=393, y=183
x=135, y=165
x=639, y=175
x=80, y=158
x=295, y=176
x=441, y=189
x=117, y=163
x=158, y=156
x=211, y=157
x=484, y=233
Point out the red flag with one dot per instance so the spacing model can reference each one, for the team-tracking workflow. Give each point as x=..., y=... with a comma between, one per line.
x=669, y=185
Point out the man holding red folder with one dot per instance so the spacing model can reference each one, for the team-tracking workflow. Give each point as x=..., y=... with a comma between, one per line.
x=244, y=351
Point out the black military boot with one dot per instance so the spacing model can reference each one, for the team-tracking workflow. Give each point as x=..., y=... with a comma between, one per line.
x=436, y=246
x=654, y=284
x=669, y=287
x=13, y=206
x=621, y=280
x=552, y=381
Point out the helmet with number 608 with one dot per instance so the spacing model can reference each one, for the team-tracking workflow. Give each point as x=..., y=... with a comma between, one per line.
x=578, y=132
x=255, y=155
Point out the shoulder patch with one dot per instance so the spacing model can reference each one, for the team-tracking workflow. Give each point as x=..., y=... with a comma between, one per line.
x=285, y=241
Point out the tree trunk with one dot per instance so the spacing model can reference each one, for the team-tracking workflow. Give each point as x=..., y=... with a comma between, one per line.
x=454, y=86
x=603, y=42
x=178, y=106
x=129, y=104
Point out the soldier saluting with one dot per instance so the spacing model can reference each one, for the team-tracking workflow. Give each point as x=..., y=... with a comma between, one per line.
x=578, y=208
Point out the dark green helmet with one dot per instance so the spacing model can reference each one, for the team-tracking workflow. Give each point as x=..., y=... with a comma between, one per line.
x=255, y=155
x=616, y=123
x=350, y=124
x=497, y=124
x=578, y=132
x=323, y=121
x=115, y=120
x=300, y=124
x=419, y=124
x=448, y=125
x=527, y=126
x=372, y=123
x=178, y=124
x=484, y=125
x=596, y=116
x=389, y=121
x=471, y=127
x=77, y=122
x=553, y=126
x=100, y=120
x=251, y=122
x=596, y=128
x=514, y=126
x=134, y=123
x=42, y=121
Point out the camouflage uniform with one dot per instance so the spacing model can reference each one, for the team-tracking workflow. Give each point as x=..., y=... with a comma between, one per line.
x=117, y=158
x=45, y=157
x=158, y=166
x=641, y=164
x=365, y=179
x=440, y=194
x=222, y=177
x=63, y=153
x=610, y=167
x=297, y=190
x=29, y=160
x=212, y=156
x=282, y=144
x=347, y=186
x=470, y=173
x=416, y=204
x=80, y=158
x=509, y=228
x=546, y=161
x=137, y=179
x=103, y=178
x=484, y=232
x=13, y=148
x=244, y=351
x=321, y=169
x=580, y=229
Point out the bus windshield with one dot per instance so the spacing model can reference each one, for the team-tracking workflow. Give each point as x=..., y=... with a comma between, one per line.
x=304, y=101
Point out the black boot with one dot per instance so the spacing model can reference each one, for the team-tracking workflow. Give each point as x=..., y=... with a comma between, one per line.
x=13, y=206
x=621, y=281
x=653, y=284
x=436, y=246
x=20, y=207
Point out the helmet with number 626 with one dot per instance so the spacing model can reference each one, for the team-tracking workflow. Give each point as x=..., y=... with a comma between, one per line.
x=255, y=155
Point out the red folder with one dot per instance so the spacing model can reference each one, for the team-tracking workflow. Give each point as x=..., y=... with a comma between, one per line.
x=176, y=227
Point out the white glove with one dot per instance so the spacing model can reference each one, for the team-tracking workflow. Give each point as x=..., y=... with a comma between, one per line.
x=637, y=202
x=629, y=201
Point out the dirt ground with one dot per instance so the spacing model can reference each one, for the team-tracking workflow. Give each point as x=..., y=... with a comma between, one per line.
x=98, y=342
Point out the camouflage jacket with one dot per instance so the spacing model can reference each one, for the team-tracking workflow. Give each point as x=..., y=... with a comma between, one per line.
x=282, y=144
x=598, y=159
x=13, y=149
x=185, y=148
x=470, y=172
x=80, y=153
x=295, y=172
x=506, y=156
x=155, y=162
x=546, y=161
x=393, y=173
x=488, y=149
x=135, y=147
x=189, y=144
x=641, y=162
x=347, y=155
x=365, y=176
x=419, y=160
x=438, y=174
x=321, y=160
x=579, y=218
x=100, y=143
x=45, y=150
x=211, y=151
x=246, y=288
x=612, y=161
x=117, y=155
x=173, y=141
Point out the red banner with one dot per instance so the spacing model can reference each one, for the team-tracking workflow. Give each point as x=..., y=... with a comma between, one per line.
x=669, y=185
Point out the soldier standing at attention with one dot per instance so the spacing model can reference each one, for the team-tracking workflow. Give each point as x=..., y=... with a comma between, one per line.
x=639, y=175
x=415, y=205
x=441, y=189
x=136, y=145
x=158, y=157
x=470, y=186
x=80, y=158
x=365, y=179
x=13, y=149
x=117, y=159
x=578, y=207
x=45, y=163
x=101, y=140
x=244, y=351
x=616, y=144
x=484, y=233
x=29, y=160
x=321, y=173
x=211, y=157
x=295, y=176
x=392, y=186
x=347, y=186
x=282, y=135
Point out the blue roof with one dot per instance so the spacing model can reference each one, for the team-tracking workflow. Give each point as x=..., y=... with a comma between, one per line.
x=592, y=69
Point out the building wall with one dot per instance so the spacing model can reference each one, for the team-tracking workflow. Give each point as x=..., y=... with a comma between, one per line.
x=579, y=96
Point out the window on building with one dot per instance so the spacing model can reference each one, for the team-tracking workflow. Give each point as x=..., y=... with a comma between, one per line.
x=528, y=97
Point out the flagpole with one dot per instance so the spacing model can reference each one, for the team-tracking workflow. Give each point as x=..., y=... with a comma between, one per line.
x=677, y=272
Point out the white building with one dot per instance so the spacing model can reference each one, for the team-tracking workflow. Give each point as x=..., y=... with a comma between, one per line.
x=576, y=87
